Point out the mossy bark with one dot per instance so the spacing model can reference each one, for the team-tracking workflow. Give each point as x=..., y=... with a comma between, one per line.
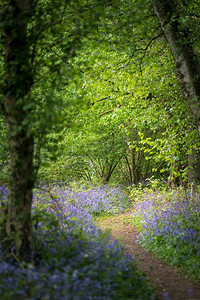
x=17, y=108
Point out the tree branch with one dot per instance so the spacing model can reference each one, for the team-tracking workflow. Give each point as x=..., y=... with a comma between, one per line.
x=106, y=112
x=139, y=50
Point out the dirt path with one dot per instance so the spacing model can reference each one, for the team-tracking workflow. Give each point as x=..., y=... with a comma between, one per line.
x=169, y=283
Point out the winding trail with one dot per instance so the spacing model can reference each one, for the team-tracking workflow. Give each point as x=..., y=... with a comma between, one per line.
x=169, y=283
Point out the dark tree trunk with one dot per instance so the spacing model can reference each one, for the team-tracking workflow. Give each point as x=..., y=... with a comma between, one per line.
x=106, y=177
x=129, y=170
x=17, y=107
x=186, y=62
x=193, y=167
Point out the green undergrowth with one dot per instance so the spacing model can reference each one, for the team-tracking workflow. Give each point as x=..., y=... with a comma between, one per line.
x=169, y=226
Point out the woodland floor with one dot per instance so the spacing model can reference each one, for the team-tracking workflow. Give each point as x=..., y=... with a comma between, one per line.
x=165, y=278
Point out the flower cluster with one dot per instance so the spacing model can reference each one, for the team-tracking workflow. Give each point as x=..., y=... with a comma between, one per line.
x=3, y=192
x=71, y=260
x=81, y=205
x=171, y=229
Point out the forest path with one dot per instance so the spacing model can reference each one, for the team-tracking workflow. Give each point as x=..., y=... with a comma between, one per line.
x=169, y=283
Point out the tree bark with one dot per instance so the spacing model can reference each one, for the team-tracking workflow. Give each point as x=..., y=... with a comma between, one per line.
x=186, y=61
x=17, y=106
x=193, y=167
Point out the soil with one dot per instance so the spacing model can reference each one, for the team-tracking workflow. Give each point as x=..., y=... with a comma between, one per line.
x=168, y=281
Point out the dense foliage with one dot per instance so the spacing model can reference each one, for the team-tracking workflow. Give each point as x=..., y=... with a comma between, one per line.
x=133, y=122
x=106, y=103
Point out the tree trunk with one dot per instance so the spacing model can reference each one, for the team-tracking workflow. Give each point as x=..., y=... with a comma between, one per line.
x=133, y=165
x=129, y=170
x=17, y=107
x=186, y=61
x=193, y=167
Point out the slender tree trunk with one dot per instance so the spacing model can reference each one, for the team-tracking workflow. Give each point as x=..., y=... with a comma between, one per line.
x=193, y=167
x=110, y=171
x=133, y=165
x=17, y=106
x=129, y=170
x=186, y=61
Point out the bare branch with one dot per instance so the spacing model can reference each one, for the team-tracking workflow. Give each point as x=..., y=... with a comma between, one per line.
x=150, y=42
x=139, y=50
x=106, y=112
